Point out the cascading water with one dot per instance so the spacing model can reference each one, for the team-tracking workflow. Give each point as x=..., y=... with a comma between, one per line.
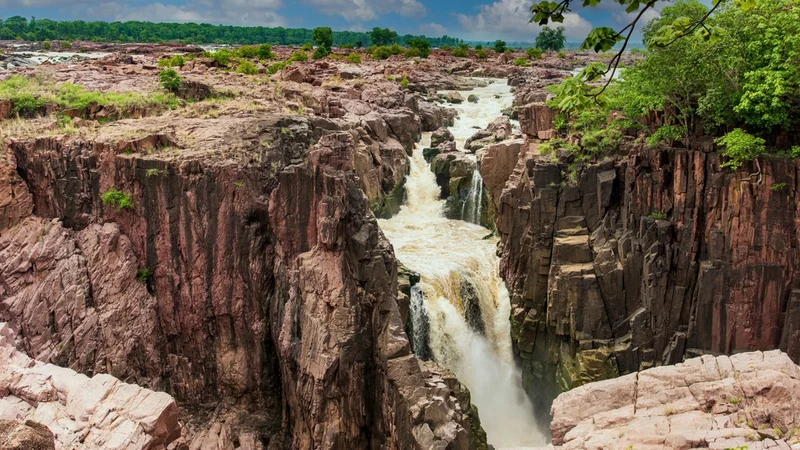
x=460, y=308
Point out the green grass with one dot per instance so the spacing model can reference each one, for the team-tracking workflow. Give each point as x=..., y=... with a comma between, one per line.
x=144, y=274
x=118, y=199
x=30, y=94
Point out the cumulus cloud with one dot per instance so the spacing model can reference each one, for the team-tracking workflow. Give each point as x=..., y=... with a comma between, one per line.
x=365, y=10
x=432, y=29
x=508, y=19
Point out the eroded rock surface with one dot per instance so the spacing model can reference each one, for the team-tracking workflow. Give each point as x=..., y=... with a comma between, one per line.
x=100, y=412
x=748, y=400
x=643, y=259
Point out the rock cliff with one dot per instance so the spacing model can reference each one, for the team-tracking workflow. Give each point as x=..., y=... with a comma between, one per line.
x=643, y=259
x=234, y=263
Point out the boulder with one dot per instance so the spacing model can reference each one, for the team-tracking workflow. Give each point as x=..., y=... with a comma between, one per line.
x=454, y=97
x=739, y=401
x=536, y=120
x=441, y=136
x=498, y=130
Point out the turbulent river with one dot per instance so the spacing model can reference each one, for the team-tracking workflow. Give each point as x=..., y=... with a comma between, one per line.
x=460, y=309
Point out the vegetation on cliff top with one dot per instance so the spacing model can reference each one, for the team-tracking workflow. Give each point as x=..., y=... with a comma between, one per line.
x=28, y=95
x=740, y=83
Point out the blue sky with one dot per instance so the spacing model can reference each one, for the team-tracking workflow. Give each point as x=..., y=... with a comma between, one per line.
x=467, y=19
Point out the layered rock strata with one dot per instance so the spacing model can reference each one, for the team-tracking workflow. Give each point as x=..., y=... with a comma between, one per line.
x=644, y=259
x=245, y=272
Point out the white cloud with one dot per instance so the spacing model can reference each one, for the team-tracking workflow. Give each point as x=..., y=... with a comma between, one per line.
x=236, y=12
x=509, y=20
x=432, y=29
x=365, y=10
x=229, y=12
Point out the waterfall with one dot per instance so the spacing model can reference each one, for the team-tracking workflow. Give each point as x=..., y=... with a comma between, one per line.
x=420, y=324
x=460, y=309
x=475, y=198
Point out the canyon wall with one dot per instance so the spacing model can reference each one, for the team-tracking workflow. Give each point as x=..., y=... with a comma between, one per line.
x=245, y=275
x=642, y=259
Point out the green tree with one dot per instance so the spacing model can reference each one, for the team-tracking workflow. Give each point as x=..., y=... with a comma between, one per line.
x=382, y=36
x=602, y=39
x=323, y=36
x=551, y=39
x=500, y=46
x=422, y=46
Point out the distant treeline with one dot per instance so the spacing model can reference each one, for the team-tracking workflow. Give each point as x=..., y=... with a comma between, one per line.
x=187, y=33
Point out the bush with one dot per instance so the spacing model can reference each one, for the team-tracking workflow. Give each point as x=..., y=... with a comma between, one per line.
x=175, y=61
x=320, y=53
x=562, y=55
x=27, y=105
x=222, y=57
x=247, y=68
x=404, y=82
x=299, y=56
x=740, y=147
x=307, y=47
x=459, y=52
x=66, y=44
x=667, y=133
x=500, y=46
x=480, y=53
x=479, y=47
x=118, y=199
x=143, y=275
x=522, y=62
x=247, y=51
x=384, y=52
x=46, y=45
x=354, y=58
x=421, y=47
x=169, y=79
x=534, y=53
x=277, y=67
x=265, y=52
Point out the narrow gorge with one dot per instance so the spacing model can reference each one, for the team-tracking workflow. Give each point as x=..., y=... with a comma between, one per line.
x=460, y=306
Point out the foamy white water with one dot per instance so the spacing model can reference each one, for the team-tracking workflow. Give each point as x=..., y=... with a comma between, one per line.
x=462, y=293
x=492, y=99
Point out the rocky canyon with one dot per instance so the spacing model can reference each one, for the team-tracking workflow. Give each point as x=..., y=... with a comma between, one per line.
x=381, y=254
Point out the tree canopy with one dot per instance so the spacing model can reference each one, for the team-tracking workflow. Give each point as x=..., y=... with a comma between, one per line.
x=742, y=84
x=382, y=36
x=551, y=39
x=188, y=33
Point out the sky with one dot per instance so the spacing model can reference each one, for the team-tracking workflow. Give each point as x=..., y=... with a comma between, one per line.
x=476, y=20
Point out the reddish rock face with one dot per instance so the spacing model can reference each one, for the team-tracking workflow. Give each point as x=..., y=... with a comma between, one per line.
x=645, y=260
x=15, y=199
x=264, y=287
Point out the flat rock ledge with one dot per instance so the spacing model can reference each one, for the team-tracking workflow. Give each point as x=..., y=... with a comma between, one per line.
x=748, y=400
x=100, y=412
